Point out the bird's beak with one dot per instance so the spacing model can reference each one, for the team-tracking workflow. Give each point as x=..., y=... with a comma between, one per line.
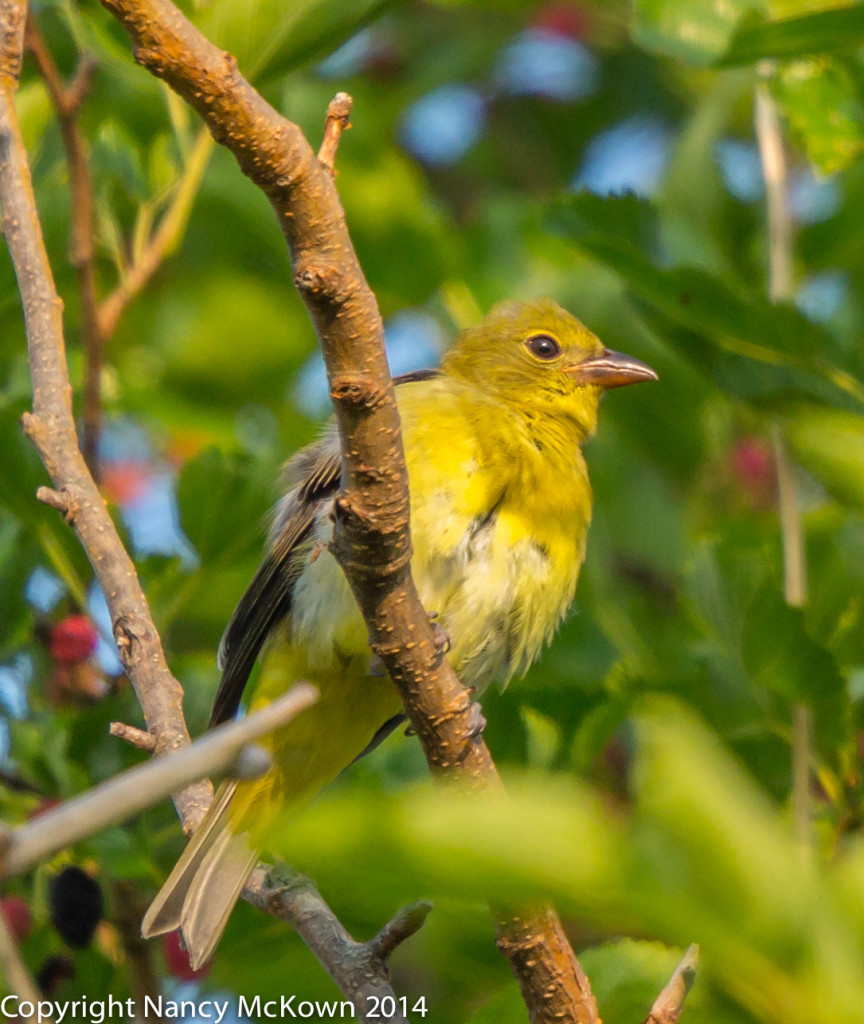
x=611, y=370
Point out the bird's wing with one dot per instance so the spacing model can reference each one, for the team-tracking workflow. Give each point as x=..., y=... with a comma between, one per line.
x=312, y=477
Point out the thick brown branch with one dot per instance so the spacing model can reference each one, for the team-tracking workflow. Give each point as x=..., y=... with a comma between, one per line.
x=544, y=963
x=337, y=121
x=67, y=102
x=371, y=539
x=13, y=17
x=669, y=1004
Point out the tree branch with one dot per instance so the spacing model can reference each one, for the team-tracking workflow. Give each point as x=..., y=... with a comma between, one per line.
x=75, y=495
x=400, y=927
x=227, y=750
x=669, y=1004
x=371, y=536
x=145, y=741
x=67, y=102
x=52, y=428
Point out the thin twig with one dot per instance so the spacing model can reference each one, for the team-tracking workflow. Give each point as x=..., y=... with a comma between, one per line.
x=404, y=923
x=337, y=121
x=164, y=239
x=67, y=102
x=669, y=1004
x=145, y=741
x=127, y=794
x=371, y=539
x=769, y=137
x=16, y=975
x=780, y=231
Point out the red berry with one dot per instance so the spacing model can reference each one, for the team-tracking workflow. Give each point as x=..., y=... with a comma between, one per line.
x=17, y=916
x=752, y=464
x=562, y=19
x=73, y=639
x=177, y=959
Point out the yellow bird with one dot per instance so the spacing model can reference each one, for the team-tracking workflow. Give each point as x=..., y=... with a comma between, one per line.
x=500, y=506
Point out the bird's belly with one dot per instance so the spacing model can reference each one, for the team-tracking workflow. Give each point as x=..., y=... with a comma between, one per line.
x=500, y=594
x=497, y=590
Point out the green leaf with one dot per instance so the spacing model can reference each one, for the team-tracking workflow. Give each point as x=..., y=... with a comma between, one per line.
x=828, y=31
x=222, y=504
x=779, y=654
x=758, y=352
x=33, y=107
x=830, y=443
x=271, y=39
x=821, y=104
x=698, y=31
x=505, y=1007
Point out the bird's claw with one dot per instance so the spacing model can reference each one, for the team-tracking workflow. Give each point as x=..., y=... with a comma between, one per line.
x=476, y=721
x=440, y=636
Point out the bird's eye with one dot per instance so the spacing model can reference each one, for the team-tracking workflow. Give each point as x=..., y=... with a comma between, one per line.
x=544, y=346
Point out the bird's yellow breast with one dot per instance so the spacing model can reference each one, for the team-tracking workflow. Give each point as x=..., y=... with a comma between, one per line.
x=499, y=513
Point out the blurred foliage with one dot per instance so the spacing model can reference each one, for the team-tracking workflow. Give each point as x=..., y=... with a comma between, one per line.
x=649, y=751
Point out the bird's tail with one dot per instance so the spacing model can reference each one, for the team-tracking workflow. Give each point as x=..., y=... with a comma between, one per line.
x=206, y=882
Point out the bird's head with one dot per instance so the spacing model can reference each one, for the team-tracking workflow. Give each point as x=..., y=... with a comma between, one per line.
x=539, y=359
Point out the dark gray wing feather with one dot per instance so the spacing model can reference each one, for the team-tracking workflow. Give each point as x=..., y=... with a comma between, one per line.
x=312, y=477
x=268, y=597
